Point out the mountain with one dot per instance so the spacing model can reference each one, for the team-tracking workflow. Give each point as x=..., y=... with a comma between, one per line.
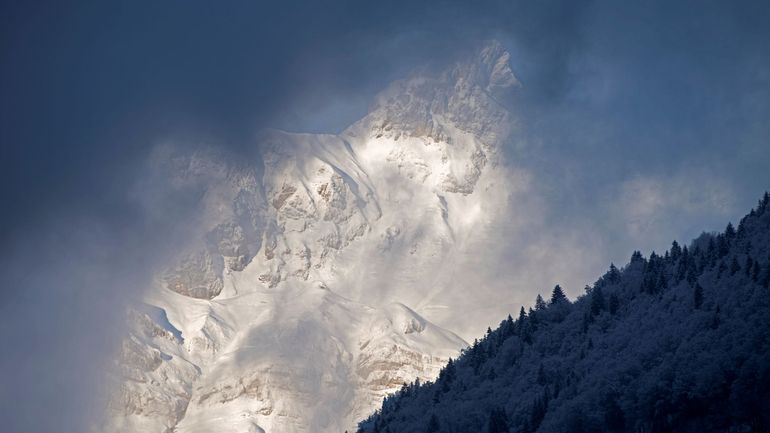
x=678, y=342
x=327, y=271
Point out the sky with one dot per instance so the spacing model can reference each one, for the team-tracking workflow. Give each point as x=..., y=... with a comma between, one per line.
x=643, y=122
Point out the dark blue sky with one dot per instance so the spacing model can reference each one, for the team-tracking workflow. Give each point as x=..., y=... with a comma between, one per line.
x=645, y=121
x=88, y=86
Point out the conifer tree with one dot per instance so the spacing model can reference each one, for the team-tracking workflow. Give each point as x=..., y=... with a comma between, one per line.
x=433, y=425
x=730, y=232
x=697, y=296
x=539, y=303
x=447, y=374
x=722, y=246
x=614, y=304
x=588, y=319
x=676, y=251
x=557, y=295
x=538, y=411
x=763, y=203
x=735, y=266
x=533, y=319
x=755, y=271
x=525, y=329
x=522, y=316
x=597, y=301
x=509, y=327
x=741, y=234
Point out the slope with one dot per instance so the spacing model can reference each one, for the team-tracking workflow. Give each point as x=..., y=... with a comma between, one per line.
x=673, y=342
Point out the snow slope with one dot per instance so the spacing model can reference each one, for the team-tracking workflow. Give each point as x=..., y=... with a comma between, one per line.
x=330, y=270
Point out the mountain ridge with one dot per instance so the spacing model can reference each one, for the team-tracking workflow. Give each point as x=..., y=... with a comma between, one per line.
x=673, y=342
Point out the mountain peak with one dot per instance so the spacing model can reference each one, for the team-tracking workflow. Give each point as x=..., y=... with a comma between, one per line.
x=457, y=111
x=495, y=69
x=416, y=181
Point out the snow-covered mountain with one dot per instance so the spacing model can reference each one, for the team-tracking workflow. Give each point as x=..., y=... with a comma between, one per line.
x=330, y=270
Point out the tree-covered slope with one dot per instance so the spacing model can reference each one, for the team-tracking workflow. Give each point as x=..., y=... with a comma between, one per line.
x=678, y=342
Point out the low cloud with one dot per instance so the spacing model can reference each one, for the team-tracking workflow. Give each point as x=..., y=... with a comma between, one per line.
x=656, y=210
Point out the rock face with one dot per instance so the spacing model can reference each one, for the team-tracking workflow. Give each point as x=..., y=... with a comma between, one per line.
x=329, y=270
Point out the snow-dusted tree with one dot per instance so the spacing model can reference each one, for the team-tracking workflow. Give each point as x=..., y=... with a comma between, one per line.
x=613, y=304
x=697, y=296
x=557, y=295
x=597, y=300
x=735, y=266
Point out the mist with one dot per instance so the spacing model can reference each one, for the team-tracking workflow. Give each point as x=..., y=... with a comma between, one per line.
x=639, y=124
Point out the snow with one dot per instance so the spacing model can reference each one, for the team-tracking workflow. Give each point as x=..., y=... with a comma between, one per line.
x=336, y=268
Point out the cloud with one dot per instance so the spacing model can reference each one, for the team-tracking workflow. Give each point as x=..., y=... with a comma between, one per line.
x=639, y=124
x=655, y=210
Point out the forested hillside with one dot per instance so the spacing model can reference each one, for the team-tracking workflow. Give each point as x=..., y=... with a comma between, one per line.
x=674, y=342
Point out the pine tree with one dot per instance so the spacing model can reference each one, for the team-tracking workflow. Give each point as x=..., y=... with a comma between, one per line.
x=477, y=356
x=648, y=284
x=742, y=230
x=722, y=246
x=509, y=328
x=735, y=266
x=524, y=327
x=557, y=295
x=539, y=303
x=597, y=301
x=447, y=374
x=433, y=425
x=539, y=409
x=755, y=271
x=763, y=203
x=692, y=276
x=533, y=319
x=676, y=251
x=587, y=320
x=730, y=232
x=614, y=304
x=697, y=296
